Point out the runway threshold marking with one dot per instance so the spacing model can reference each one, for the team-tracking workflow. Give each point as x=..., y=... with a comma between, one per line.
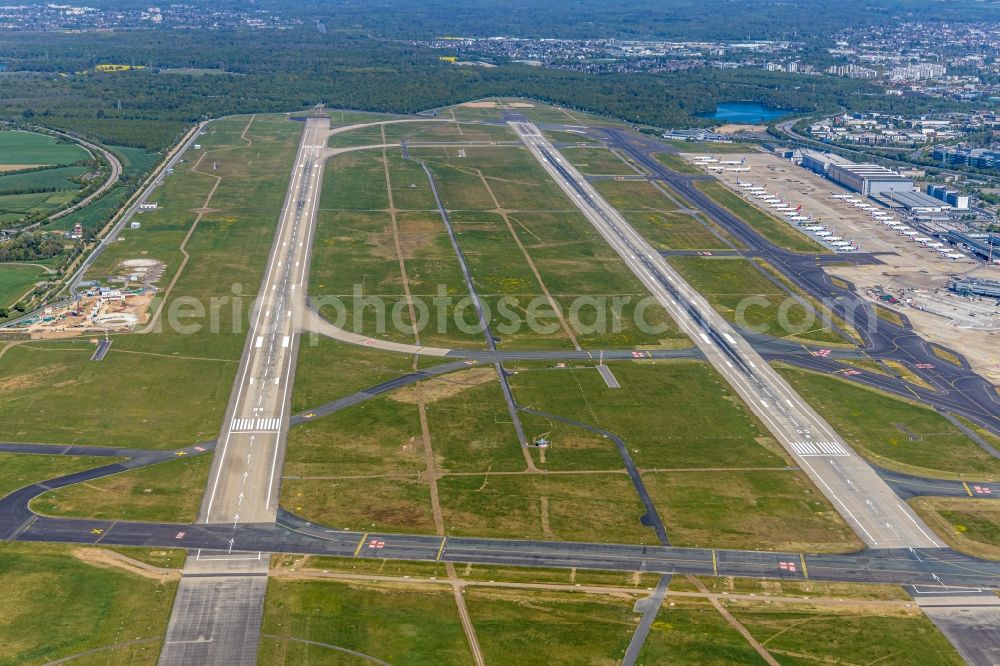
x=967, y=489
x=805, y=570
x=357, y=551
x=441, y=549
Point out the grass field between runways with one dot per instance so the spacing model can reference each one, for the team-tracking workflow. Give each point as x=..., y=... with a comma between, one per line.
x=392, y=624
x=54, y=605
x=23, y=469
x=893, y=432
x=747, y=298
x=166, y=492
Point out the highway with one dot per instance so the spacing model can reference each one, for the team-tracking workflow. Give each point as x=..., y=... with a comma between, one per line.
x=867, y=504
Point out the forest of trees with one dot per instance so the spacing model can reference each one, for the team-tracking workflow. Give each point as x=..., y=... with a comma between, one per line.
x=289, y=70
x=30, y=247
x=364, y=61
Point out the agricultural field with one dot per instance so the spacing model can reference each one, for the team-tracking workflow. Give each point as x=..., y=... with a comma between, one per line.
x=35, y=174
x=18, y=279
x=27, y=149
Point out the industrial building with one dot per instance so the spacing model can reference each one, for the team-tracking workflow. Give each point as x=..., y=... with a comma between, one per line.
x=819, y=162
x=914, y=201
x=868, y=179
x=950, y=197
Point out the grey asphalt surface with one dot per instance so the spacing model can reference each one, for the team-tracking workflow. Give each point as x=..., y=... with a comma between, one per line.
x=103, y=345
x=216, y=620
x=908, y=485
x=115, y=451
x=971, y=620
x=291, y=534
x=930, y=567
x=650, y=609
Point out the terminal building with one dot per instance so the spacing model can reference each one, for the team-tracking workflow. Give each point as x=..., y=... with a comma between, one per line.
x=817, y=161
x=975, y=287
x=986, y=246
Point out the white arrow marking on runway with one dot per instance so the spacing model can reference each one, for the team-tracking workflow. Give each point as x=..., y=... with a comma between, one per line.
x=245, y=475
x=231, y=542
x=241, y=500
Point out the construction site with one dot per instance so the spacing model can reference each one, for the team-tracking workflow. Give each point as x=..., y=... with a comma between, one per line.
x=119, y=307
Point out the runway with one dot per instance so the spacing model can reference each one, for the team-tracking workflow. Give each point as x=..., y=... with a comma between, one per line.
x=867, y=504
x=216, y=615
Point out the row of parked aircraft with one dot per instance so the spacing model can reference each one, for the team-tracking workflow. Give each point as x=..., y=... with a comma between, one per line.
x=716, y=165
x=892, y=223
x=806, y=222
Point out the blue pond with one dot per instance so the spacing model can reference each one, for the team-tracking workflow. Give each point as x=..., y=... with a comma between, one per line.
x=745, y=112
